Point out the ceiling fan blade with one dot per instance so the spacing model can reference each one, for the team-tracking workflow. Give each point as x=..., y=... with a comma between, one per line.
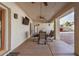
x=41, y=17
x=45, y=3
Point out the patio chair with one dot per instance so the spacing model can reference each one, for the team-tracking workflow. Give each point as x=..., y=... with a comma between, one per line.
x=42, y=37
x=50, y=36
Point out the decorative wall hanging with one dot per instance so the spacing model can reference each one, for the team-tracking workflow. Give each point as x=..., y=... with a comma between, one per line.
x=25, y=20
x=15, y=15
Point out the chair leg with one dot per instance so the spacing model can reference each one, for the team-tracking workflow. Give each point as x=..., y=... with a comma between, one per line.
x=38, y=40
x=45, y=41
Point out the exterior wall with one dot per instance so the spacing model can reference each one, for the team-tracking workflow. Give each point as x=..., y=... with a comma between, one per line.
x=57, y=29
x=76, y=6
x=44, y=27
x=76, y=21
x=18, y=30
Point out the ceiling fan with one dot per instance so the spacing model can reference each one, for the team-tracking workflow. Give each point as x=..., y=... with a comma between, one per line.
x=41, y=17
x=45, y=3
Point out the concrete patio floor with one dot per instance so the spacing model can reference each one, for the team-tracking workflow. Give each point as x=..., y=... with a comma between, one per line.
x=55, y=48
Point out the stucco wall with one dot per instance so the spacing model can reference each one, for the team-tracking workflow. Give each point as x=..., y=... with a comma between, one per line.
x=76, y=22
x=18, y=30
x=47, y=27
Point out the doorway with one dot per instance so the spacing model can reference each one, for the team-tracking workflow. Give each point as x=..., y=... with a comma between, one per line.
x=65, y=33
x=2, y=28
x=67, y=28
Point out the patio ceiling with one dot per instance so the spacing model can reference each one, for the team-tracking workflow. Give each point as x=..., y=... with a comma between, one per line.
x=33, y=10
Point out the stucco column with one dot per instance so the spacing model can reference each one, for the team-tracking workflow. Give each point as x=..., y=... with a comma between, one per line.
x=76, y=11
x=57, y=29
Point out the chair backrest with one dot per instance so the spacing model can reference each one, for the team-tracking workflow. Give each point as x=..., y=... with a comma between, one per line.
x=42, y=35
x=51, y=33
